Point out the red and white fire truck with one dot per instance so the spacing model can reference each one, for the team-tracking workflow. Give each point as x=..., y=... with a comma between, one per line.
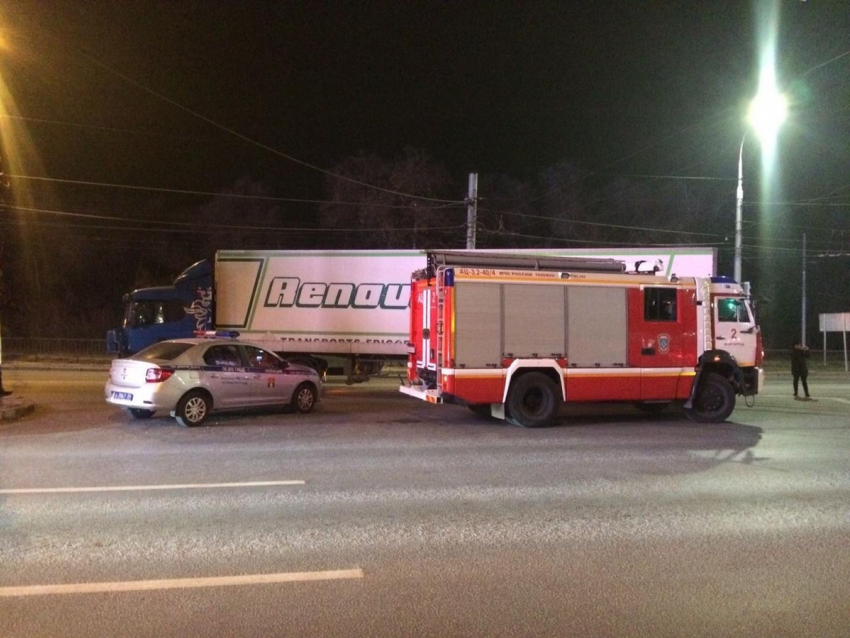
x=514, y=337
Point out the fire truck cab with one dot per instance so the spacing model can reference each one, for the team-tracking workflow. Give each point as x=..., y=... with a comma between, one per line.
x=514, y=337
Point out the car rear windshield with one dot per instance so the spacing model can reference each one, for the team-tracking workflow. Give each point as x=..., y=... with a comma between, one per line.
x=163, y=351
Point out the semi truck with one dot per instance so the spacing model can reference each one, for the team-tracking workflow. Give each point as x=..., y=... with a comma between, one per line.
x=351, y=307
x=515, y=337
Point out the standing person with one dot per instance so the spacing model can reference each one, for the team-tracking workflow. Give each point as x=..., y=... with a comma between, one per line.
x=800, y=369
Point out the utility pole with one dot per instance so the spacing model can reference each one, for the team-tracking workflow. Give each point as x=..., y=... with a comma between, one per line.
x=739, y=207
x=803, y=336
x=471, y=211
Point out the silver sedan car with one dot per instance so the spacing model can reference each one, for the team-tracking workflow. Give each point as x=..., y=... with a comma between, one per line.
x=193, y=377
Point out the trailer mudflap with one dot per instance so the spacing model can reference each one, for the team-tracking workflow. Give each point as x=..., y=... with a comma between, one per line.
x=418, y=392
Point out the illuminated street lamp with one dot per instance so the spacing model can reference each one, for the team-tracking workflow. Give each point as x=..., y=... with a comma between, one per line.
x=767, y=113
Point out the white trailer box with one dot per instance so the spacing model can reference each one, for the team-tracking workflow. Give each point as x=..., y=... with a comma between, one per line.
x=317, y=302
x=342, y=303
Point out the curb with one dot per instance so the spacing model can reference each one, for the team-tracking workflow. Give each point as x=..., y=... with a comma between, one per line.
x=58, y=364
x=14, y=408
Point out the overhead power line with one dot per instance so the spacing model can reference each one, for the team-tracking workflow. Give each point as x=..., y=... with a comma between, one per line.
x=195, y=227
x=178, y=191
x=600, y=224
x=254, y=142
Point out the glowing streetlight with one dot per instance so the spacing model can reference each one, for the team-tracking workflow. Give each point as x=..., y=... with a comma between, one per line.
x=766, y=114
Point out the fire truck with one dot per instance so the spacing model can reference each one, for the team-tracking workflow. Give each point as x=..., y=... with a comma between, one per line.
x=514, y=337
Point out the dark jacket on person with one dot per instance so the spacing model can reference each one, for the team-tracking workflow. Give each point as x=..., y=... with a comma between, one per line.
x=799, y=354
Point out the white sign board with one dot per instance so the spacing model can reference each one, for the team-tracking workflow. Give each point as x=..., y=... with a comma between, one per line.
x=835, y=322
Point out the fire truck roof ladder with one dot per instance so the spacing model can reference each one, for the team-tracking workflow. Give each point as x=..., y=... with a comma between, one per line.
x=448, y=258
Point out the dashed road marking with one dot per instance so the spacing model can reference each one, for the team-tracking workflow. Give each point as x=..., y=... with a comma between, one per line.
x=143, y=488
x=180, y=583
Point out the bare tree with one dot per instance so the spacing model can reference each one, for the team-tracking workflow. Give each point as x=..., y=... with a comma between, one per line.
x=245, y=216
x=392, y=204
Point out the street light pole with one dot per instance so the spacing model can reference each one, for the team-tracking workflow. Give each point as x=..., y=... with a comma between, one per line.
x=739, y=205
x=766, y=114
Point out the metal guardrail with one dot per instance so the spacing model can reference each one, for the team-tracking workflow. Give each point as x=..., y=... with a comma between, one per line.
x=35, y=348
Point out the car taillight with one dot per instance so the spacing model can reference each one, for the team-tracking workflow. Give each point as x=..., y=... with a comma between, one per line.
x=157, y=375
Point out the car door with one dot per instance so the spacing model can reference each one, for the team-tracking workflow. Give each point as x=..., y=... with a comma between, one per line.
x=735, y=329
x=225, y=376
x=270, y=384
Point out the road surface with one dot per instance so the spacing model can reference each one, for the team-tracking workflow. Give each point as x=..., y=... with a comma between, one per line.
x=380, y=515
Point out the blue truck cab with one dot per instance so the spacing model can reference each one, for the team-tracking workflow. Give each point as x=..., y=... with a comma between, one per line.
x=165, y=312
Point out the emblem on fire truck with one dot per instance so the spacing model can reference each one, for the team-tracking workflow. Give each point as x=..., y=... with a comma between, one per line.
x=664, y=343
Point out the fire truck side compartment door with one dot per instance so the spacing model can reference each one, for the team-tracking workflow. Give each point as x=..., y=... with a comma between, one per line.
x=535, y=325
x=597, y=327
x=478, y=325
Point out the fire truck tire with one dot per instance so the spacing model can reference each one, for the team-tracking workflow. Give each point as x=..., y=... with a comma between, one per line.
x=533, y=401
x=714, y=401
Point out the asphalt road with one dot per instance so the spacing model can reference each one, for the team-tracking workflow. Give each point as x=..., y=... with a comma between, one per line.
x=380, y=515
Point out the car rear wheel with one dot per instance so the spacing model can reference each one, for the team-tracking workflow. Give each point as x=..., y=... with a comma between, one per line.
x=305, y=398
x=193, y=409
x=139, y=413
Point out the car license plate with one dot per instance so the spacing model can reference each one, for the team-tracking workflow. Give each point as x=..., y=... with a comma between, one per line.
x=122, y=396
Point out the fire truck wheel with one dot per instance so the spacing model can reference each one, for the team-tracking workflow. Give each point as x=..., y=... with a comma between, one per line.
x=533, y=401
x=715, y=400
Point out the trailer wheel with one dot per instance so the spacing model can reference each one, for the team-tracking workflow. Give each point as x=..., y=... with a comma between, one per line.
x=714, y=400
x=533, y=401
x=193, y=408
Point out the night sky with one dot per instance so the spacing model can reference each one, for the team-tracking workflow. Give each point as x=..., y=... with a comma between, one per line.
x=168, y=94
x=503, y=87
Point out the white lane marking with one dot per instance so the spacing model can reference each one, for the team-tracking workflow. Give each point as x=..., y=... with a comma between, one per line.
x=141, y=488
x=179, y=583
x=816, y=399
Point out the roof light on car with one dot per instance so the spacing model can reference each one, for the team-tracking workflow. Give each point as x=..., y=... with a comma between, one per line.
x=157, y=375
x=217, y=334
